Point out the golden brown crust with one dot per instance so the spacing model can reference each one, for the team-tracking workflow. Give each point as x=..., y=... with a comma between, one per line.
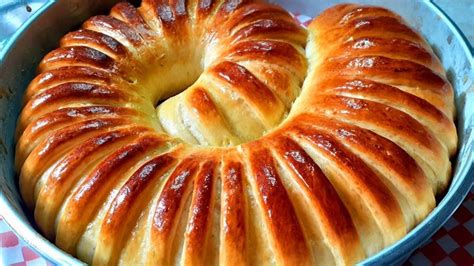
x=69, y=170
x=84, y=202
x=327, y=205
x=284, y=232
x=168, y=211
x=267, y=157
x=197, y=232
x=127, y=206
x=233, y=226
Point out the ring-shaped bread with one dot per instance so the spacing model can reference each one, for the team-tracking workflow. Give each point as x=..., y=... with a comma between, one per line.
x=182, y=132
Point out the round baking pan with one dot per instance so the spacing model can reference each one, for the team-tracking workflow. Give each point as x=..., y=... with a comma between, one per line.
x=40, y=33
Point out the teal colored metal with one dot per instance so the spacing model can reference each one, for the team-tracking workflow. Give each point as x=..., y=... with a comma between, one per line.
x=24, y=44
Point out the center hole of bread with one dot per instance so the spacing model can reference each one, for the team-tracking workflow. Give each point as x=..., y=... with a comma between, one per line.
x=172, y=75
x=230, y=104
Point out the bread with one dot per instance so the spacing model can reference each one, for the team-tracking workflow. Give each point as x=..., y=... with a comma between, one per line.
x=221, y=132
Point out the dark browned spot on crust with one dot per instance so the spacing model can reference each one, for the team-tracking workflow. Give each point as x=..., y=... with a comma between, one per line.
x=246, y=84
x=130, y=15
x=199, y=217
x=323, y=193
x=276, y=207
x=165, y=13
x=272, y=29
x=76, y=56
x=107, y=23
x=179, y=7
x=233, y=209
x=129, y=202
x=173, y=15
x=204, y=7
x=396, y=71
x=95, y=39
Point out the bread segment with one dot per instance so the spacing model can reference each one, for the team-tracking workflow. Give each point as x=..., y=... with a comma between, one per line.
x=207, y=132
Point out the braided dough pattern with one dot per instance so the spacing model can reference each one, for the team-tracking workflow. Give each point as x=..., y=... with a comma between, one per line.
x=288, y=146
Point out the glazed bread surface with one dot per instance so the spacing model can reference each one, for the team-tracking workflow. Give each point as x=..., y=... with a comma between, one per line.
x=208, y=132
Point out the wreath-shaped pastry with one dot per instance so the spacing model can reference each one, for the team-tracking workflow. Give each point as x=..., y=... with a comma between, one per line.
x=202, y=132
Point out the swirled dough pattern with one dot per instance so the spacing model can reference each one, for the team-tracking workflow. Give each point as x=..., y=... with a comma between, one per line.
x=207, y=132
